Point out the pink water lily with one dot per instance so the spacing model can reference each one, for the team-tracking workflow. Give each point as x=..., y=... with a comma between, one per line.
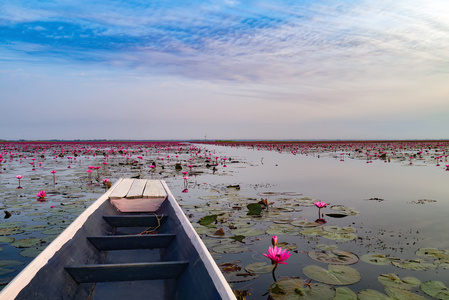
x=277, y=255
x=320, y=204
x=41, y=194
x=19, y=177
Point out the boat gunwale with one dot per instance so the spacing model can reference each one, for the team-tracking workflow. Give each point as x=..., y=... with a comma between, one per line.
x=13, y=288
x=24, y=278
x=221, y=284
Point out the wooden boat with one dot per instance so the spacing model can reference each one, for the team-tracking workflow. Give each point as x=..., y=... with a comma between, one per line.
x=134, y=242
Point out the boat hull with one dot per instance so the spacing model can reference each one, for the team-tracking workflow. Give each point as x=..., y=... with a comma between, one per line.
x=103, y=255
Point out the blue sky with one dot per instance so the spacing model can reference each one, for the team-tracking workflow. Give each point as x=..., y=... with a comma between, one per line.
x=368, y=69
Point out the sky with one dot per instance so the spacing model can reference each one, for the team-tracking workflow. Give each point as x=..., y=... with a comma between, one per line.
x=224, y=69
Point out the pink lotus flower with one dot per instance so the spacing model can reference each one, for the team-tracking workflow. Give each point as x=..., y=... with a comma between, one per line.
x=53, y=171
x=41, y=194
x=320, y=204
x=19, y=177
x=277, y=255
x=274, y=240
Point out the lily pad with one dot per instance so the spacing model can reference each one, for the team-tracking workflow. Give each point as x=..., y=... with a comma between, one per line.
x=393, y=280
x=10, y=263
x=259, y=268
x=344, y=210
x=208, y=220
x=6, y=239
x=416, y=265
x=304, y=223
x=369, y=294
x=335, y=274
x=393, y=294
x=4, y=271
x=435, y=289
x=433, y=253
x=293, y=288
x=254, y=209
x=345, y=293
x=229, y=248
x=10, y=231
x=234, y=273
x=335, y=256
x=282, y=229
x=27, y=243
x=247, y=232
x=377, y=259
x=31, y=252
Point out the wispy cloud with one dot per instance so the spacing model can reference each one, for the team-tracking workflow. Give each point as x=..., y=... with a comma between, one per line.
x=333, y=59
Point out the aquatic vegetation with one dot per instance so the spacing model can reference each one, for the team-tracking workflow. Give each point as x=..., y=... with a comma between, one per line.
x=19, y=177
x=41, y=195
x=218, y=205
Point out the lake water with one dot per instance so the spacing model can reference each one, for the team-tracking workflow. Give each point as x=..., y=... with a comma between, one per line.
x=394, y=208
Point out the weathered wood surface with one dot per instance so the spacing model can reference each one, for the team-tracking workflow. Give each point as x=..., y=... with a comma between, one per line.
x=127, y=272
x=136, y=189
x=127, y=242
x=154, y=189
x=126, y=205
x=122, y=189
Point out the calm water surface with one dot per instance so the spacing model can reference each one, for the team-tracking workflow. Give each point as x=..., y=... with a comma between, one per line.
x=395, y=224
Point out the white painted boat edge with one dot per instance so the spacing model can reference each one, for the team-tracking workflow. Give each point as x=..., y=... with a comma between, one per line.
x=222, y=285
x=27, y=274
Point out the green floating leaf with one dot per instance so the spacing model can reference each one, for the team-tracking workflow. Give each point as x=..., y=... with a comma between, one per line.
x=27, y=243
x=10, y=231
x=234, y=273
x=52, y=231
x=247, y=232
x=282, y=229
x=377, y=259
x=10, y=263
x=238, y=238
x=435, y=289
x=433, y=253
x=208, y=220
x=324, y=247
x=304, y=223
x=287, y=246
x=336, y=229
x=393, y=280
x=6, y=239
x=229, y=248
x=396, y=293
x=335, y=274
x=416, y=265
x=4, y=271
x=293, y=288
x=372, y=295
x=31, y=252
x=254, y=209
x=335, y=256
x=344, y=210
x=393, y=294
x=345, y=293
x=259, y=268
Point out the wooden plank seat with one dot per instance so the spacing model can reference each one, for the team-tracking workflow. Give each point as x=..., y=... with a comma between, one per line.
x=128, y=242
x=134, y=220
x=138, y=195
x=127, y=272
